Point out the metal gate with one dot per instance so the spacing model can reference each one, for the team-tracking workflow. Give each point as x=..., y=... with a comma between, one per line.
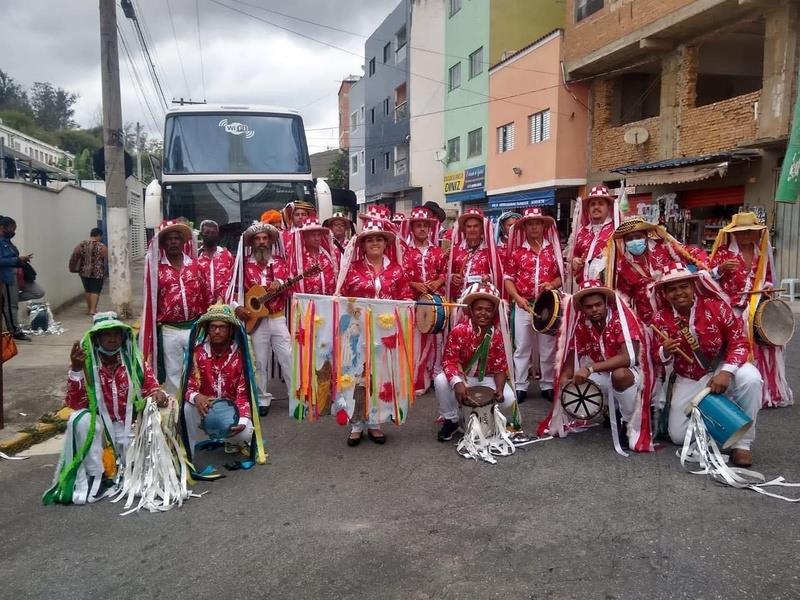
x=787, y=236
x=137, y=234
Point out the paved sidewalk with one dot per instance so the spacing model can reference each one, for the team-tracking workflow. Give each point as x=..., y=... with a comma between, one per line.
x=35, y=380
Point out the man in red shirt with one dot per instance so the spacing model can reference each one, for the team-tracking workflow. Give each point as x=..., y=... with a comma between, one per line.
x=216, y=261
x=474, y=354
x=312, y=244
x=294, y=215
x=473, y=257
x=599, y=217
x=533, y=265
x=701, y=325
x=342, y=228
x=259, y=263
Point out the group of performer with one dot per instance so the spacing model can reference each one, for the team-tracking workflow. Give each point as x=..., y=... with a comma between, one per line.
x=651, y=322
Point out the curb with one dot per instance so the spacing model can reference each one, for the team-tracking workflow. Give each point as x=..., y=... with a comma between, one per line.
x=48, y=426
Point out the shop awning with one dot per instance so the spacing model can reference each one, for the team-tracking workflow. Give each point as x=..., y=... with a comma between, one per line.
x=524, y=199
x=677, y=174
x=468, y=196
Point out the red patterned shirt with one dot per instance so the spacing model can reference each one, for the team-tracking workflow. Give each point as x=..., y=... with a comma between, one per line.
x=219, y=377
x=529, y=269
x=461, y=344
x=361, y=281
x=114, y=382
x=469, y=263
x=323, y=283
x=426, y=264
x=218, y=269
x=634, y=276
x=608, y=343
x=257, y=274
x=740, y=279
x=589, y=245
x=715, y=327
x=183, y=295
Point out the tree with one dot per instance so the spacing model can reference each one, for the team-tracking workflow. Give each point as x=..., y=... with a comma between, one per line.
x=52, y=107
x=12, y=96
x=83, y=165
x=339, y=172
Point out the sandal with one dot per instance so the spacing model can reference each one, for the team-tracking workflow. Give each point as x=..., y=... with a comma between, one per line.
x=378, y=439
x=355, y=441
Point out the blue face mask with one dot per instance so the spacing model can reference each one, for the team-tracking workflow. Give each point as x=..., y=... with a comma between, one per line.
x=105, y=352
x=636, y=247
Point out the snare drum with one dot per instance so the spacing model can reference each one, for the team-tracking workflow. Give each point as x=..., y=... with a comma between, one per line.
x=724, y=419
x=583, y=401
x=480, y=401
x=430, y=313
x=773, y=323
x=547, y=312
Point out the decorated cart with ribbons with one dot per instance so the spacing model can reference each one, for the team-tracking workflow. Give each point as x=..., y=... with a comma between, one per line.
x=351, y=356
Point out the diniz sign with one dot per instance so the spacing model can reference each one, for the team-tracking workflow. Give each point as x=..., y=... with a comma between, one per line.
x=473, y=178
x=237, y=128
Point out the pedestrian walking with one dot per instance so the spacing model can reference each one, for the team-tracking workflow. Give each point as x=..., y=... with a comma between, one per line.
x=89, y=260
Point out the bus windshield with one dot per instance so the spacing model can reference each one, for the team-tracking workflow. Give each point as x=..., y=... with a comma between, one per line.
x=238, y=143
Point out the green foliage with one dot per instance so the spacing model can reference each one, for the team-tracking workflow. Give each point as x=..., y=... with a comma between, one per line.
x=52, y=107
x=339, y=172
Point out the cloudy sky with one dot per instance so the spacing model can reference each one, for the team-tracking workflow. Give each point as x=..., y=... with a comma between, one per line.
x=243, y=59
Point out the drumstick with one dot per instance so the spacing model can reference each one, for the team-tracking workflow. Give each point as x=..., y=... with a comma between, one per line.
x=665, y=337
x=763, y=291
x=447, y=304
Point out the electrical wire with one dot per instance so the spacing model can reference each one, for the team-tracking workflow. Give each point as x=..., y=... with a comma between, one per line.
x=178, y=49
x=200, y=46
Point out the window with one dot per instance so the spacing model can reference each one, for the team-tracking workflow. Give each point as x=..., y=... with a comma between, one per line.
x=387, y=52
x=372, y=116
x=372, y=66
x=400, y=45
x=454, y=79
x=474, y=142
x=540, y=126
x=400, y=103
x=505, y=138
x=400, y=160
x=354, y=121
x=362, y=157
x=454, y=150
x=637, y=96
x=386, y=107
x=717, y=80
x=372, y=166
x=476, y=63
x=584, y=8
x=455, y=6
x=353, y=164
x=387, y=160
x=361, y=114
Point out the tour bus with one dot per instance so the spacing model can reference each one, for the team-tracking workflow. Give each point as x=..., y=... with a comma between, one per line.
x=230, y=163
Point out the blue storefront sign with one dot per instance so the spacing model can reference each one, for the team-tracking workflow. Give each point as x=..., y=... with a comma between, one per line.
x=524, y=199
x=465, y=186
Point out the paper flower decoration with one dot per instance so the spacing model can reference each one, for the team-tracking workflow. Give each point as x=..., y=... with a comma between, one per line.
x=386, y=320
x=346, y=381
x=387, y=392
x=318, y=320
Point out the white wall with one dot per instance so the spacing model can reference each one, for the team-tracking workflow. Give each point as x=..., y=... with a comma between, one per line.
x=357, y=139
x=49, y=225
x=426, y=95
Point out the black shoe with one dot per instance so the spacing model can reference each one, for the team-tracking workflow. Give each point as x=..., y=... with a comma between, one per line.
x=351, y=441
x=20, y=335
x=522, y=396
x=263, y=411
x=378, y=439
x=547, y=395
x=448, y=431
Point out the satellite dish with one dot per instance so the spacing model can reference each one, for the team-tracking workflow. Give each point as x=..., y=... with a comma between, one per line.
x=636, y=136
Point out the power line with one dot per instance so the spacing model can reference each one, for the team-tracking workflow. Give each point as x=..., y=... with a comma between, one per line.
x=149, y=60
x=200, y=46
x=137, y=82
x=178, y=48
x=156, y=59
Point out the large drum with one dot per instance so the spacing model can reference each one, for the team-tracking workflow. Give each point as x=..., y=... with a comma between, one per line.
x=773, y=323
x=220, y=418
x=547, y=312
x=430, y=313
x=583, y=401
x=724, y=419
x=480, y=401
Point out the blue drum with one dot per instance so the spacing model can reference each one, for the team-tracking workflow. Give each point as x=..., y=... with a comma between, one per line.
x=222, y=415
x=430, y=313
x=725, y=421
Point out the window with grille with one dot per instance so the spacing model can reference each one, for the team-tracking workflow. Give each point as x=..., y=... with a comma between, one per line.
x=476, y=63
x=474, y=142
x=353, y=164
x=540, y=126
x=454, y=80
x=505, y=138
x=454, y=150
x=585, y=8
x=353, y=121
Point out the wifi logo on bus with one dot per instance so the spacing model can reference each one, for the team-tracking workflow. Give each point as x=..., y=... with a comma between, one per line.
x=237, y=128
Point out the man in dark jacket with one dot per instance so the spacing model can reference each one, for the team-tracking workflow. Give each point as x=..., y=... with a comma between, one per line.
x=10, y=261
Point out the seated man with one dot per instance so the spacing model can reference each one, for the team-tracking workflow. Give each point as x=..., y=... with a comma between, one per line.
x=219, y=368
x=699, y=325
x=107, y=382
x=605, y=341
x=474, y=354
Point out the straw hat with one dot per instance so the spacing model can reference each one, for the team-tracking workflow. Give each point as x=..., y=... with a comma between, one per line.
x=480, y=291
x=472, y=213
x=175, y=225
x=220, y=312
x=744, y=222
x=258, y=227
x=337, y=216
x=632, y=225
x=592, y=286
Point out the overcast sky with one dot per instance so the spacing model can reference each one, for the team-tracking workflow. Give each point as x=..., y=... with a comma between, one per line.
x=244, y=60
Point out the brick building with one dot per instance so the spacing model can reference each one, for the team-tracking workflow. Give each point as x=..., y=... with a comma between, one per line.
x=691, y=107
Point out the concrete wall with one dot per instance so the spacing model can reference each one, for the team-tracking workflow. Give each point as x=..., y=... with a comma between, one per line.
x=385, y=134
x=426, y=98
x=344, y=113
x=517, y=23
x=357, y=142
x=563, y=155
x=49, y=225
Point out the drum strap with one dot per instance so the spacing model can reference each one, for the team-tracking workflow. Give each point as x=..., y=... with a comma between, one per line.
x=481, y=355
x=708, y=365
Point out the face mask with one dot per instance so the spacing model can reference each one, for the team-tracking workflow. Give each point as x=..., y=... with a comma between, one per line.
x=105, y=352
x=636, y=247
x=210, y=240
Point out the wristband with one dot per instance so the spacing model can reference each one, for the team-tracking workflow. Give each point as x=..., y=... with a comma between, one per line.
x=590, y=368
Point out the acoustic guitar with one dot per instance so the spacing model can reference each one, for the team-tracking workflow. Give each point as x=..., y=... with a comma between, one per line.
x=256, y=298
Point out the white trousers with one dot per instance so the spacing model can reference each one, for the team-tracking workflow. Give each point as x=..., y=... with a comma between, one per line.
x=744, y=390
x=626, y=399
x=446, y=397
x=271, y=335
x=530, y=343
x=175, y=344
x=196, y=434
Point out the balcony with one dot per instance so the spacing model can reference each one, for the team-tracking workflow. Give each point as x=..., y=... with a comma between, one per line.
x=401, y=112
x=400, y=167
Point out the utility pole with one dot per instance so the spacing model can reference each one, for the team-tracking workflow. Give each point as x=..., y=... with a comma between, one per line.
x=113, y=140
x=138, y=151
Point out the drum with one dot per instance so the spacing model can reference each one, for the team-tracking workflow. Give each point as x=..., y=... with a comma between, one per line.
x=480, y=401
x=582, y=401
x=547, y=312
x=430, y=313
x=219, y=419
x=773, y=323
x=723, y=418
